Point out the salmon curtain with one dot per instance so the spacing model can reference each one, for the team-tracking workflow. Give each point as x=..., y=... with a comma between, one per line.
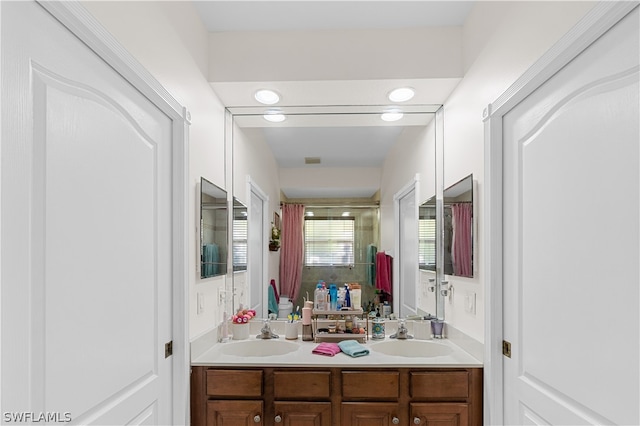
x=462, y=248
x=292, y=250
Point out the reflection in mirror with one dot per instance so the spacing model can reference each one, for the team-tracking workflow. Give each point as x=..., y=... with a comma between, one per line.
x=458, y=228
x=334, y=156
x=427, y=235
x=213, y=230
x=239, y=232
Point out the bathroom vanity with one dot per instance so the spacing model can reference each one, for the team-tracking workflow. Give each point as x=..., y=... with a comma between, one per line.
x=286, y=384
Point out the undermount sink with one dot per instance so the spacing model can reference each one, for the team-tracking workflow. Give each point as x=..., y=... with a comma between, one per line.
x=411, y=348
x=256, y=348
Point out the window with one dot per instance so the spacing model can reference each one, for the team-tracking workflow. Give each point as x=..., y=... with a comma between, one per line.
x=427, y=243
x=328, y=241
x=240, y=244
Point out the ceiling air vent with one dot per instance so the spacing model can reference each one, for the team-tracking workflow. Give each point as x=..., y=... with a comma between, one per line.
x=311, y=160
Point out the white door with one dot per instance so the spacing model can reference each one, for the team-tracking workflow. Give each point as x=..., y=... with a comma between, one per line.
x=257, y=249
x=571, y=241
x=86, y=233
x=405, y=281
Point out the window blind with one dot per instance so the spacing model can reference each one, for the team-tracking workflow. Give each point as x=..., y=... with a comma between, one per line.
x=240, y=244
x=329, y=241
x=427, y=241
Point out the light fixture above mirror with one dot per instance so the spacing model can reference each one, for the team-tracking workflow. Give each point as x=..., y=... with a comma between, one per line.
x=267, y=97
x=401, y=94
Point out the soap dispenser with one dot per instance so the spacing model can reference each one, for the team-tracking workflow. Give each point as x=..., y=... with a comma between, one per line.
x=307, y=329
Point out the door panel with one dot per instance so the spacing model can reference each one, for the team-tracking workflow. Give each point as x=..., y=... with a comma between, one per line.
x=571, y=209
x=86, y=264
x=407, y=258
x=257, y=248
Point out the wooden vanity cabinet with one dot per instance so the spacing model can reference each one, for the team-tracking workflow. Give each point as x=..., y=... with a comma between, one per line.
x=302, y=397
x=336, y=396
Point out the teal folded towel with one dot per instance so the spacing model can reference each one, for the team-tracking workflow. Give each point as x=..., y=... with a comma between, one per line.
x=353, y=348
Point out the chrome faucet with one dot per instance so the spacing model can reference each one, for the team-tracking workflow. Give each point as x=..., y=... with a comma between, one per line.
x=402, y=332
x=265, y=331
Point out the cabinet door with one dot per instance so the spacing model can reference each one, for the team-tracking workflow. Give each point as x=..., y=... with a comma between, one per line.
x=371, y=414
x=302, y=413
x=443, y=414
x=234, y=413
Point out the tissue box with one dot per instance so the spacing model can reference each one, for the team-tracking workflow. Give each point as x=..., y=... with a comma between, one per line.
x=240, y=331
x=422, y=330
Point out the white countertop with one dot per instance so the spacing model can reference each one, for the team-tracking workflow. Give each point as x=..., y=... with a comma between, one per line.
x=302, y=357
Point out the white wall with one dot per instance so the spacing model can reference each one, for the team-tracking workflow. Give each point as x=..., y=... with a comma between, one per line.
x=169, y=40
x=362, y=180
x=252, y=157
x=336, y=55
x=414, y=152
x=501, y=40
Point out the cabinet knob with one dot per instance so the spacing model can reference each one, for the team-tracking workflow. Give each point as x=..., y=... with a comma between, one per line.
x=416, y=420
x=256, y=419
x=395, y=421
x=278, y=419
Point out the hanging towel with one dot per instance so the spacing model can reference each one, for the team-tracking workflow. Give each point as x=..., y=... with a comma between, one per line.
x=273, y=302
x=383, y=272
x=210, y=260
x=371, y=264
x=327, y=349
x=353, y=348
x=275, y=291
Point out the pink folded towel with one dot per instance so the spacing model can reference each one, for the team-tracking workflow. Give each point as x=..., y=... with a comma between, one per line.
x=328, y=349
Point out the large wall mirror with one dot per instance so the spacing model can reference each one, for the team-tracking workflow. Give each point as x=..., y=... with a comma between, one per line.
x=214, y=236
x=458, y=223
x=313, y=146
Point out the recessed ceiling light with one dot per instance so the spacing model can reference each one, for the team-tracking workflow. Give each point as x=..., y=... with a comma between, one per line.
x=392, y=115
x=401, y=94
x=267, y=97
x=274, y=116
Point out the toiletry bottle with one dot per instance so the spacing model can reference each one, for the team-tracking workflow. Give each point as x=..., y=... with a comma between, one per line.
x=307, y=329
x=317, y=297
x=340, y=298
x=347, y=297
x=355, y=292
x=326, y=298
x=333, y=296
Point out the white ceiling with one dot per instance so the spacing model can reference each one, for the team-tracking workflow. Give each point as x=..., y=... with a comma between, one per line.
x=330, y=15
x=342, y=144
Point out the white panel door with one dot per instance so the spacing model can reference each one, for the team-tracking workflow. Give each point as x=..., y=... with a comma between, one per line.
x=86, y=232
x=407, y=256
x=571, y=241
x=257, y=249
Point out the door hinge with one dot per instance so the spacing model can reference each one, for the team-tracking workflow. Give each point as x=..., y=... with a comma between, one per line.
x=506, y=348
x=168, y=349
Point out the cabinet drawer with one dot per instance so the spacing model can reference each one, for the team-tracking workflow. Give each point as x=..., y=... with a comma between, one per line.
x=434, y=384
x=239, y=383
x=301, y=384
x=365, y=384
